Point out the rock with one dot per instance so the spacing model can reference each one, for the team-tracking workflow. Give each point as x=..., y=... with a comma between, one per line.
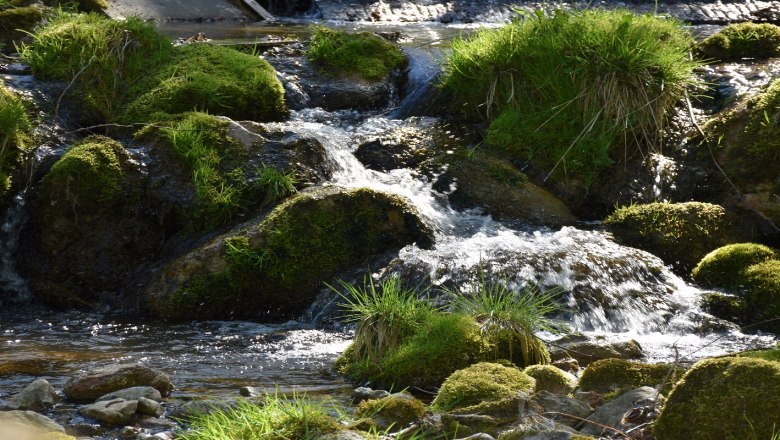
x=37, y=396
x=393, y=412
x=342, y=435
x=504, y=192
x=150, y=407
x=134, y=393
x=274, y=268
x=27, y=425
x=111, y=412
x=478, y=388
x=609, y=375
x=585, y=351
x=562, y=405
x=92, y=385
x=480, y=436
x=535, y=426
x=551, y=379
x=406, y=146
x=195, y=408
x=612, y=413
x=250, y=391
x=567, y=364
x=364, y=393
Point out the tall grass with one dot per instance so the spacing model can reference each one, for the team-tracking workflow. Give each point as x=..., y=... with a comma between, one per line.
x=572, y=91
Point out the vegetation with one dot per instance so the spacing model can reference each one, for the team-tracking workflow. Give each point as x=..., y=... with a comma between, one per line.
x=606, y=375
x=14, y=124
x=551, y=379
x=363, y=54
x=762, y=295
x=741, y=40
x=209, y=78
x=681, y=234
x=394, y=412
x=15, y=20
x=571, y=91
x=277, y=418
x=725, y=266
x=100, y=57
x=729, y=398
x=481, y=383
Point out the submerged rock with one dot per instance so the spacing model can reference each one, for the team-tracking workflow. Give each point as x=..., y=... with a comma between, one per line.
x=92, y=385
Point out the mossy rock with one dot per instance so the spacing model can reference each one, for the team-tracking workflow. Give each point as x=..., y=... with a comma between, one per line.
x=609, y=375
x=213, y=79
x=724, y=266
x=393, y=412
x=479, y=384
x=741, y=40
x=275, y=268
x=552, y=379
x=723, y=398
x=725, y=306
x=681, y=234
x=771, y=354
x=15, y=20
x=14, y=135
x=362, y=54
x=762, y=295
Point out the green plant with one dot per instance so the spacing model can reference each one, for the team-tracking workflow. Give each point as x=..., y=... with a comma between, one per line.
x=608, y=375
x=364, y=54
x=567, y=91
x=14, y=123
x=277, y=418
x=480, y=383
x=741, y=40
x=508, y=318
x=276, y=183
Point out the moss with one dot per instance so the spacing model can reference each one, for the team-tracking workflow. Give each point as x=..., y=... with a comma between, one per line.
x=14, y=125
x=480, y=383
x=392, y=412
x=680, y=234
x=728, y=398
x=213, y=79
x=101, y=57
x=363, y=54
x=15, y=20
x=724, y=266
x=519, y=347
x=551, y=379
x=762, y=295
x=608, y=375
x=741, y=40
x=729, y=307
x=772, y=354
x=86, y=179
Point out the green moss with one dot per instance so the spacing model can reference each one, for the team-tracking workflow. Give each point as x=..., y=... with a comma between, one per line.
x=482, y=382
x=15, y=20
x=392, y=412
x=608, y=375
x=724, y=266
x=86, y=179
x=14, y=125
x=213, y=79
x=741, y=40
x=772, y=354
x=729, y=307
x=566, y=90
x=726, y=398
x=680, y=234
x=101, y=57
x=762, y=295
x=364, y=54
x=551, y=379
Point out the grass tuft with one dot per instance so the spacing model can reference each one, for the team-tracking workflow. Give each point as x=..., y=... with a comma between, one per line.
x=364, y=54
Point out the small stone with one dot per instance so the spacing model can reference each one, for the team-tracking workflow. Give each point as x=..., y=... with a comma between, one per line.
x=37, y=396
x=90, y=386
x=364, y=393
x=149, y=407
x=111, y=412
x=133, y=393
x=128, y=432
x=250, y=391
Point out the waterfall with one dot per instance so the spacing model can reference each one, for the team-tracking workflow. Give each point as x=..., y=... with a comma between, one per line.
x=12, y=286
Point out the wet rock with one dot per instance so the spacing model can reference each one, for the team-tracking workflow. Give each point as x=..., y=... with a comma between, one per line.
x=196, y=408
x=250, y=391
x=37, y=396
x=612, y=414
x=342, y=435
x=364, y=393
x=275, y=267
x=92, y=385
x=557, y=407
x=567, y=364
x=134, y=393
x=26, y=425
x=585, y=351
x=150, y=407
x=111, y=412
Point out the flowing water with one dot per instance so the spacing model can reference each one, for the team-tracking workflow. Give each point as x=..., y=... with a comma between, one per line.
x=611, y=290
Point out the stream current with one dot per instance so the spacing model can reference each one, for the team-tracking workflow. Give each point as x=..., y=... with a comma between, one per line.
x=612, y=292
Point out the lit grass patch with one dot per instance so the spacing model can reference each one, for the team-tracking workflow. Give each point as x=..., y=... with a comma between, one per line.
x=342, y=54
x=277, y=184
x=14, y=124
x=571, y=92
x=741, y=40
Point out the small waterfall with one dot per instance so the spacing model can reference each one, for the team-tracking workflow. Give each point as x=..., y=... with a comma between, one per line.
x=12, y=286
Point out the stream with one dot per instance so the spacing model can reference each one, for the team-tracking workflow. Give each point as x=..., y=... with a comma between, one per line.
x=613, y=292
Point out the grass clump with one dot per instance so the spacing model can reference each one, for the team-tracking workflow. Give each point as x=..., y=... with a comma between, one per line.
x=724, y=267
x=725, y=398
x=210, y=78
x=508, y=319
x=101, y=57
x=14, y=124
x=551, y=379
x=681, y=234
x=277, y=418
x=362, y=54
x=571, y=91
x=609, y=375
x=480, y=383
x=741, y=40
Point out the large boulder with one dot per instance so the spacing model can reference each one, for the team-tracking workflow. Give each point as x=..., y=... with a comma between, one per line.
x=622, y=413
x=37, y=396
x=723, y=398
x=28, y=425
x=472, y=389
x=92, y=385
x=274, y=268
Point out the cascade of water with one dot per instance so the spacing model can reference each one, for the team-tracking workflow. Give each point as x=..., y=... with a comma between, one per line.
x=11, y=284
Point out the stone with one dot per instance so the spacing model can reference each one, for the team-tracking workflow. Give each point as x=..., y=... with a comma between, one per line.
x=479, y=436
x=250, y=391
x=364, y=393
x=612, y=413
x=92, y=385
x=134, y=393
x=585, y=351
x=111, y=412
x=26, y=425
x=342, y=435
x=149, y=407
x=37, y=396
x=557, y=407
